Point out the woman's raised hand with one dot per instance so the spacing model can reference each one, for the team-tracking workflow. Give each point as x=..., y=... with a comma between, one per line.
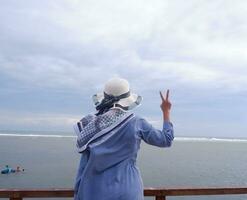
x=165, y=106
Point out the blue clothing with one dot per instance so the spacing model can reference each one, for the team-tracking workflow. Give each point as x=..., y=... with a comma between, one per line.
x=8, y=170
x=5, y=171
x=107, y=169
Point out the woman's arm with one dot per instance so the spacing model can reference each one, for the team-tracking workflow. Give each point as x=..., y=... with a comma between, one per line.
x=165, y=106
x=153, y=136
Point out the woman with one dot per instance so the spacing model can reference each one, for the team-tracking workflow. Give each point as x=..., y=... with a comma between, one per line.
x=109, y=141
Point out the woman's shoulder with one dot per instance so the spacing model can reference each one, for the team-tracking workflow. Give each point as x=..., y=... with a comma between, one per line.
x=87, y=119
x=139, y=121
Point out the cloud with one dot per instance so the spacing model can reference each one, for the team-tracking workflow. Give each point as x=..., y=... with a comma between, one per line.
x=37, y=121
x=71, y=43
x=196, y=48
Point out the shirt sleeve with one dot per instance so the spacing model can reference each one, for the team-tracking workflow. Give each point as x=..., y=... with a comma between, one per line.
x=153, y=136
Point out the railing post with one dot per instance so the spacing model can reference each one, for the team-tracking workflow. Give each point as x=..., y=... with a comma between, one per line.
x=15, y=198
x=160, y=198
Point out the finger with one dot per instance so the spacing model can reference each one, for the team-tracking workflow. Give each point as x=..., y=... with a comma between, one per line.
x=167, y=95
x=162, y=96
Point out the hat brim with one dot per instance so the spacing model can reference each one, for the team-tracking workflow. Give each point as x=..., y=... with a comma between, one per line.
x=127, y=103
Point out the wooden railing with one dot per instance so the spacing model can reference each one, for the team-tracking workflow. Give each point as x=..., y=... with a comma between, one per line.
x=158, y=193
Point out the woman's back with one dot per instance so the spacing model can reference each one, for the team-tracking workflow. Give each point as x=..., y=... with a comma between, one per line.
x=110, y=167
x=109, y=148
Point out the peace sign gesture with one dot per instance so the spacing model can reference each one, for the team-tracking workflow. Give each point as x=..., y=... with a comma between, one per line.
x=165, y=106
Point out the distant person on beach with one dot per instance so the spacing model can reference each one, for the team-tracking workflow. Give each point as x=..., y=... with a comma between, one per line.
x=109, y=140
x=18, y=169
x=7, y=170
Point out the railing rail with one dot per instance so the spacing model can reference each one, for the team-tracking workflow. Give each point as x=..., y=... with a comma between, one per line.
x=158, y=193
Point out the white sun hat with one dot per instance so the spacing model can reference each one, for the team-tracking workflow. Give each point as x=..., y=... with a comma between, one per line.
x=118, y=88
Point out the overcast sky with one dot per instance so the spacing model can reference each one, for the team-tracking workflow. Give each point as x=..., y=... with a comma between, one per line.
x=54, y=55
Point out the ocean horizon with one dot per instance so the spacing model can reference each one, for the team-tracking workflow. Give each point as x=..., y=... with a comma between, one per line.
x=178, y=138
x=51, y=161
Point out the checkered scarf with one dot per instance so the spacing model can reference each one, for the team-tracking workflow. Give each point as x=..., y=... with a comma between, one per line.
x=90, y=125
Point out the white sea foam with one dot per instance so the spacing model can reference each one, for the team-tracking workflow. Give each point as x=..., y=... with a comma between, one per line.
x=176, y=138
x=36, y=135
x=210, y=139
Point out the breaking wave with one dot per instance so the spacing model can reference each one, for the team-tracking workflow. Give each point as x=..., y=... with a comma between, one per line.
x=176, y=138
x=36, y=135
x=210, y=139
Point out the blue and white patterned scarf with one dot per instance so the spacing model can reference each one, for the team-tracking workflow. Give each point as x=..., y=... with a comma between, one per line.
x=88, y=127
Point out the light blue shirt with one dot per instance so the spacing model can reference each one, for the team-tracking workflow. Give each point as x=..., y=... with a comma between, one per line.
x=108, y=171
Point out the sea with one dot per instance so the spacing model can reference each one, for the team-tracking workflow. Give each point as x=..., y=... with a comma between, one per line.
x=50, y=160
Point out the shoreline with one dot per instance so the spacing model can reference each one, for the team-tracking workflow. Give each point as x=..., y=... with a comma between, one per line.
x=189, y=139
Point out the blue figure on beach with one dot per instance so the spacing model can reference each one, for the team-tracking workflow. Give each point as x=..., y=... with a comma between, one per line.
x=9, y=170
x=109, y=141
